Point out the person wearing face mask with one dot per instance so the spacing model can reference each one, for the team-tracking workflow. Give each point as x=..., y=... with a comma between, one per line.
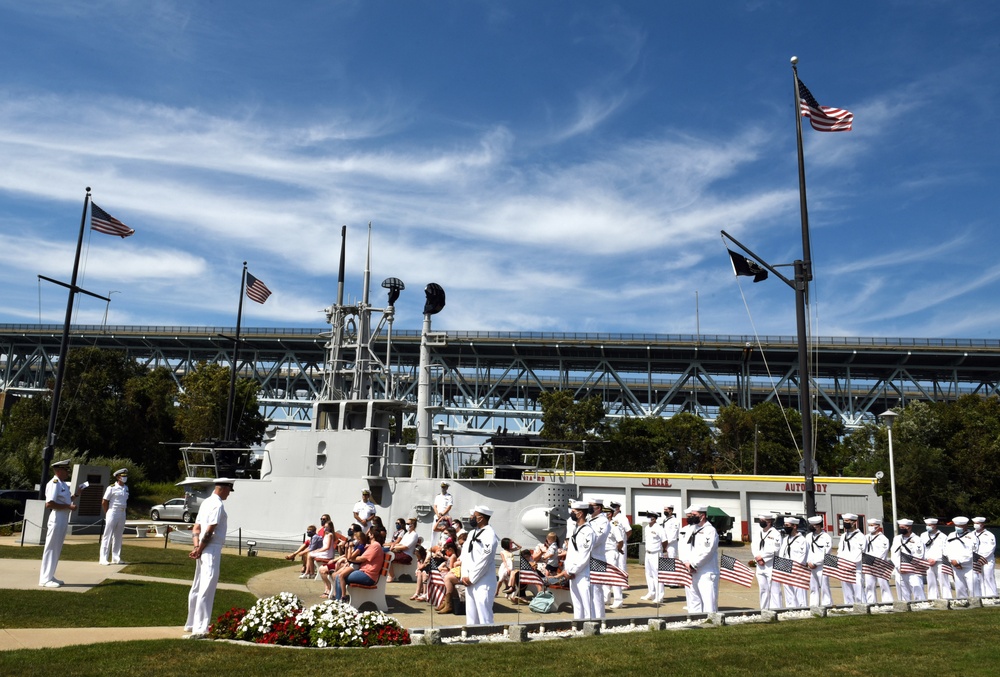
x=655, y=543
x=938, y=583
x=479, y=574
x=959, y=549
x=987, y=550
x=671, y=530
x=876, y=545
x=763, y=549
x=312, y=542
x=579, y=546
x=819, y=545
x=404, y=548
x=698, y=548
x=601, y=526
x=113, y=504
x=794, y=547
x=909, y=586
x=850, y=549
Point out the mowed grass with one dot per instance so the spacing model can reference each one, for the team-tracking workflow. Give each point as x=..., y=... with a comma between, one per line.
x=171, y=562
x=917, y=643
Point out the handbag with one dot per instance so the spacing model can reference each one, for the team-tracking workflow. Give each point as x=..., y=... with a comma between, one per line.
x=543, y=602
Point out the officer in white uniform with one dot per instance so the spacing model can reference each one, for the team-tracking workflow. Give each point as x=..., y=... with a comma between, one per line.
x=933, y=540
x=620, y=518
x=699, y=549
x=364, y=510
x=909, y=587
x=987, y=550
x=579, y=546
x=671, y=525
x=601, y=525
x=207, y=537
x=819, y=546
x=763, y=550
x=876, y=545
x=113, y=504
x=794, y=547
x=614, y=553
x=655, y=545
x=60, y=503
x=961, y=545
x=478, y=568
x=852, y=545
x=443, y=502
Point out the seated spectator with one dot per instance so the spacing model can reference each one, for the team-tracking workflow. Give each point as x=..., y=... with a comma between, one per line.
x=312, y=543
x=451, y=570
x=559, y=578
x=508, y=566
x=404, y=547
x=369, y=563
x=398, y=532
x=423, y=573
x=320, y=558
x=547, y=553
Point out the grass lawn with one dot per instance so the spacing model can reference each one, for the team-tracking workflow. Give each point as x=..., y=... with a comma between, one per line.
x=156, y=561
x=916, y=643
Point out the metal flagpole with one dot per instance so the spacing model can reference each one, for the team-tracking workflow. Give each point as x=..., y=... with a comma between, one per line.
x=236, y=357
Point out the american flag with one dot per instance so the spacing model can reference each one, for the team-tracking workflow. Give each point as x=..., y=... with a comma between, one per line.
x=256, y=290
x=841, y=569
x=528, y=575
x=823, y=118
x=103, y=222
x=602, y=573
x=977, y=563
x=789, y=572
x=435, y=588
x=876, y=566
x=735, y=571
x=671, y=571
x=908, y=564
x=946, y=568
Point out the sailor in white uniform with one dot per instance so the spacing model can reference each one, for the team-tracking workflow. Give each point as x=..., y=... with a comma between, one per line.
x=959, y=549
x=614, y=553
x=364, y=510
x=699, y=549
x=909, y=587
x=478, y=568
x=114, y=503
x=655, y=545
x=443, y=503
x=579, y=546
x=933, y=540
x=794, y=547
x=207, y=537
x=763, y=549
x=60, y=504
x=601, y=525
x=876, y=545
x=852, y=545
x=987, y=550
x=820, y=545
x=671, y=525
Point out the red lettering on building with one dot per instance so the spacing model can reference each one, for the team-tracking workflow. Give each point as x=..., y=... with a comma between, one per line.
x=657, y=482
x=800, y=487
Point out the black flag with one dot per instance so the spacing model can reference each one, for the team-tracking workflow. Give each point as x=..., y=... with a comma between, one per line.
x=744, y=266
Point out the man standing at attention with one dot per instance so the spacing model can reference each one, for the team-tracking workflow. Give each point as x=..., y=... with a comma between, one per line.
x=60, y=504
x=938, y=584
x=601, y=525
x=364, y=510
x=113, y=504
x=699, y=550
x=443, y=503
x=850, y=549
x=479, y=575
x=763, y=549
x=579, y=546
x=987, y=550
x=207, y=537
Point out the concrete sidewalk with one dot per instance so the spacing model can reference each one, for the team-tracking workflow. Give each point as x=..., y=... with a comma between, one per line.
x=50, y=638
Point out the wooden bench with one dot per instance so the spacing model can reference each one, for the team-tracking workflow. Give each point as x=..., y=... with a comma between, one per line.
x=373, y=594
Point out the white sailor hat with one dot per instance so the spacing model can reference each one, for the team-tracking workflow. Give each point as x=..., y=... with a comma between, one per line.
x=960, y=521
x=597, y=501
x=226, y=482
x=120, y=471
x=930, y=520
x=979, y=520
x=697, y=507
x=579, y=505
x=766, y=516
x=483, y=510
x=904, y=522
x=615, y=504
x=849, y=516
x=875, y=521
x=64, y=464
x=816, y=519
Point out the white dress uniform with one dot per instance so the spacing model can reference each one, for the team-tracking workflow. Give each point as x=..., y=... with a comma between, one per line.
x=114, y=523
x=442, y=502
x=699, y=548
x=987, y=549
x=616, y=536
x=766, y=547
x=877, y=545
x=960, y=548
x=56, y=491
x=206, y=568
x=909, y=587
x=365, y=510
x=671, y=532
x=478, y=566
x=579, y=547
x=796, y=548
x=852, y=544
x=601, y=526
x=653, y=538
x=819, y=546
x=933, y=540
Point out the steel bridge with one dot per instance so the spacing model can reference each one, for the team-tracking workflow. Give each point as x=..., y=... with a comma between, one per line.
x=483, y=381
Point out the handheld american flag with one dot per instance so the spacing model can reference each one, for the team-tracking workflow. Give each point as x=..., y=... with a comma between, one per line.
x=789, y=572
x=103, y=222
x=908, y=564
x=527, y=574
x=823, y=118
x=435, y=588
x=671, y=571
x=977, y=563
x=841, y=569
x=735, y=571
x=256, y=290
x=876, y=566
x=602, y=573
x=947, y=569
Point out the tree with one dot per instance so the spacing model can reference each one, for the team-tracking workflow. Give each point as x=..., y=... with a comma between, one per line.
x=201, y=413
x=689, y=445
x=634, y=444
x=566, y=422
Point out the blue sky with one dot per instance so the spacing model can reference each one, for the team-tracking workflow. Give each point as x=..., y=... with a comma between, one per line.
x=555, y=166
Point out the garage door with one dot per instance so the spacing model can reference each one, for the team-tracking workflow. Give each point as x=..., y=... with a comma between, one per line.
x=654, y=500
x=727, y=501
x=776, y=503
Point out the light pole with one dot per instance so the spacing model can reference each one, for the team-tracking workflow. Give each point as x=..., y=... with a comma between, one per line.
x=888, y=417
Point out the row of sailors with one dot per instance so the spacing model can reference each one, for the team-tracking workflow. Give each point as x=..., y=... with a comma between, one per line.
x=957, y=549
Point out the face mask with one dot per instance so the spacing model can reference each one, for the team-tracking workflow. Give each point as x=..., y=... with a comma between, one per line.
x=871, y=530
x=692, y=520
x=788, y=530
x=763, y=524
x=848, y=526
x=310, y=534
x=124, y=480
x=904, y=531
x=959, y=530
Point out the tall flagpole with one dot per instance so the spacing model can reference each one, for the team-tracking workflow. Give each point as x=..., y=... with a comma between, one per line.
x=50, y=438
x=803, y=275
x=236, y=357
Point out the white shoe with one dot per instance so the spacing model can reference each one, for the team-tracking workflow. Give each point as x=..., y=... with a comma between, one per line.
x=52, y=584
x=104, y=564
x=658, y=600
x=305, y=576
x=646, y=598
x=617, y=604
x=56, y=580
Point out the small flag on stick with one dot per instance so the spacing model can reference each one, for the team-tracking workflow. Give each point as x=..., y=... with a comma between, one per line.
x=735, y=571
x=841, y=569
x=671, y=571
x=876, y=566
x=527, y=574
x=435, y=588
x=908, y=564
x=790, y=573
x=602, y=573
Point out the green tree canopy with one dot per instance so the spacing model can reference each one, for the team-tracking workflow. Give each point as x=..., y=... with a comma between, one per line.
x=201, y=412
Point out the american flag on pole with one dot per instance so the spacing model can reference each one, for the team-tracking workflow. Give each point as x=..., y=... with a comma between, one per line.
x=671, y=571
x=876, y=566
x=602, y=573
x=103, y=222
x=256, y=290
x=527, y=574
x=790, y=573
x=841, y=569
x=735, y=571
x=435, y=588
x=977, y=563
x=823, y=118
x=908, y=564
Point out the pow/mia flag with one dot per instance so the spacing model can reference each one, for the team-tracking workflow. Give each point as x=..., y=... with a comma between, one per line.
x=746, y=266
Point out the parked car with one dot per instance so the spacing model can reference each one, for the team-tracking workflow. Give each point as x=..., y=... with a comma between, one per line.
x=175, y=509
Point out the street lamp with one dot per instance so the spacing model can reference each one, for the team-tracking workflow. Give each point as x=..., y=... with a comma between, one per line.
x=888, y=417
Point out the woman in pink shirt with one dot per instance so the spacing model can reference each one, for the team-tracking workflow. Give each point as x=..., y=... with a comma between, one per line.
x=369, y=563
